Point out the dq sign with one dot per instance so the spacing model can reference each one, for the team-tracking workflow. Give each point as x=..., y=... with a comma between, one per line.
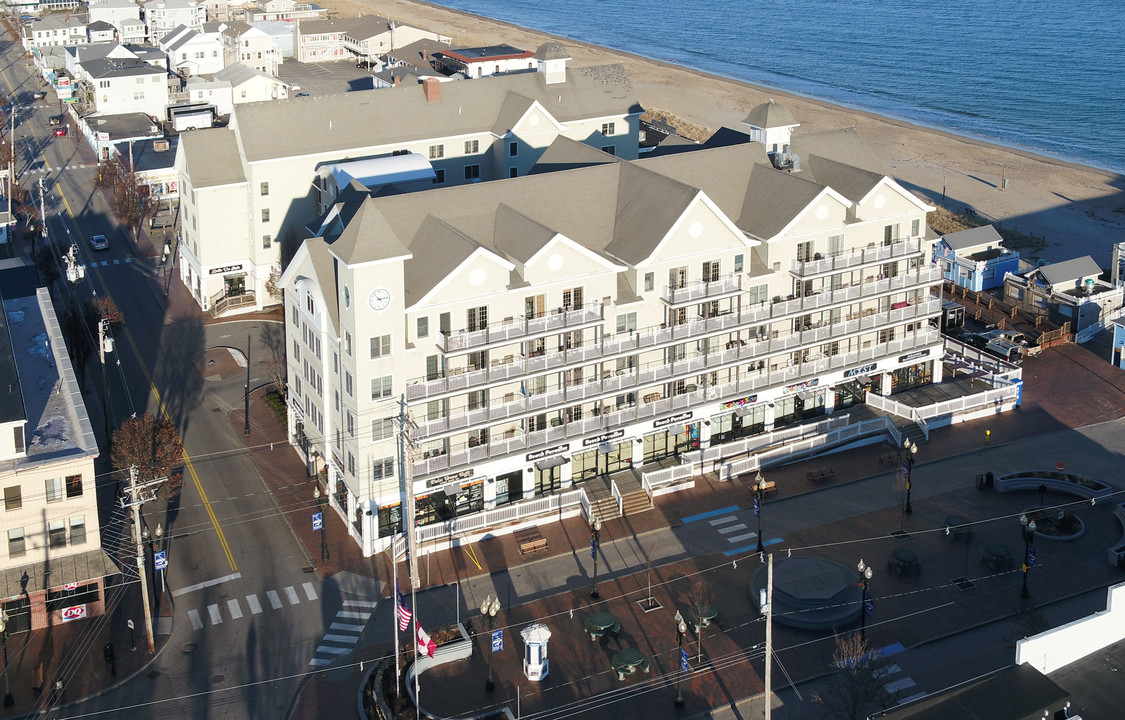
x=70, y=586
x=74, y=613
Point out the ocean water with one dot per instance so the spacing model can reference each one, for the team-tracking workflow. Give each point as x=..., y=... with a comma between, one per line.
x=1047, y=76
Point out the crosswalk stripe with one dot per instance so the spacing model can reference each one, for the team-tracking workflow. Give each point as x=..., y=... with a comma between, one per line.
x=740, y=538
x=116, y=261
x=723, y=520
x=275, y=601
x=216, y=616
x=291, y=596
x=331, y=649
x=196, y=621
x=128, y=260
x=235, y=608
x=348, y=639
x=353, y=615
x=361, y=603
x=346, y=626
x=255, y=606
x=317, y=662
x=732, y=528
x=893, y=687
x=310, y=591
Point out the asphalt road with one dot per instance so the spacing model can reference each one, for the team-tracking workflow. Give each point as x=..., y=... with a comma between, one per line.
x=247, y=612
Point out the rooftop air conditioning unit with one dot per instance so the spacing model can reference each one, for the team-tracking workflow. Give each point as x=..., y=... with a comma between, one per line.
x=160, y=145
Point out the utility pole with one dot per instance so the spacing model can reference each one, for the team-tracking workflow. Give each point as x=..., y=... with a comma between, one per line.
x=135, y=502
x=768, y=592
x=246, y=425
x=406, y=484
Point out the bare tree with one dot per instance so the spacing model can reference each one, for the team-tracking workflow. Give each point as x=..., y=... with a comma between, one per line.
x=650, y=566
x=153, y=445
x=106, y=309
x=857, y=688
x=273, y=289
x=700, y=595
x=130, y=201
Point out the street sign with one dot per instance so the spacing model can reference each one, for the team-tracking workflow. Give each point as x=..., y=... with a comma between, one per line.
x=1032, y=556
x=906, y=468
x=593, y=550
x=160, y=559
x=497, y=640
x=757, y=507
x=869, y=607
x=684, y=659
x=318, y=521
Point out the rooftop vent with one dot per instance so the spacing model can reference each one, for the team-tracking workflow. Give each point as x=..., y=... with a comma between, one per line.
x=160, y=145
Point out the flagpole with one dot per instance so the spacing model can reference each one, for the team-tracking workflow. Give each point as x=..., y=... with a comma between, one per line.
x=394, y=617
x=417, y=657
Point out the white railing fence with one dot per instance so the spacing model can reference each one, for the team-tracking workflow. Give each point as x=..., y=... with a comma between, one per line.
x=500, y=516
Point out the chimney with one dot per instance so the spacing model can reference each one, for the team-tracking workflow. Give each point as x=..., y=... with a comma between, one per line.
x=395, y=78
x=432, y=88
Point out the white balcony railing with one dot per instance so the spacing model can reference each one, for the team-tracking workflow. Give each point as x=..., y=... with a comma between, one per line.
x=856, y=258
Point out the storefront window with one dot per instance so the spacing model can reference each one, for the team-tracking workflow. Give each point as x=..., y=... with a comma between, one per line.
x=688, y=438
x=548, y=479
x=722, y=427
x=657, y=446
x=785, y=411
x=390, y=520
x=509, y=488
x=912, y=376
x=603, y=461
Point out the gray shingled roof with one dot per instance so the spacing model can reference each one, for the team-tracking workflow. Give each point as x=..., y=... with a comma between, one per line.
x=324, y=267
x=844, y=146
x=106, y=68
x=443, y=249
x=647, y=206
x=774, y=198
x=770, y=115
x=566, y=154
x=367, y=238
x=851, y=182
x=360, y=28
x=518, y=236
x=237, y=73
x=973, y=237
x=721, y=172
x=212, y=157
x=551, y=50
x=283, y=129
x=1070, y=271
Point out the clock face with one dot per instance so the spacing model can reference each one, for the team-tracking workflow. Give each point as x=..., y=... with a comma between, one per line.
x=379, y=299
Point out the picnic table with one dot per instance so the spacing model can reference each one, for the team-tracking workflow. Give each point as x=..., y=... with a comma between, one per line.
x=600, y=623
x=903, y=561
x=703, y=616
x=628, y=661
x=957, y=526
x=996, y=556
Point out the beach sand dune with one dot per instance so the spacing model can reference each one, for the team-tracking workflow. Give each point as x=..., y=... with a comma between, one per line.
x=1075, y=210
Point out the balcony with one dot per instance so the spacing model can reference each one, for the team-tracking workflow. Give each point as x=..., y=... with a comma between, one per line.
x=516, y=367
x=520, y=329
x=222, y=303
x=699, y=291
x=655, y=406
x=857, y=259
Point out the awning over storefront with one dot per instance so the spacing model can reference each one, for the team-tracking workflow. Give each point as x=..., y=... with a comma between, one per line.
x=743, y=411
x=551, y=462
x=82, y=568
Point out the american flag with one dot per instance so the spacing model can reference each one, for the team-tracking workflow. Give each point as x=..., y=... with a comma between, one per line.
x=404, y=614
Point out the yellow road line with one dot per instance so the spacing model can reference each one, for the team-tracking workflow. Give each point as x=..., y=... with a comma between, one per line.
x=69, y=216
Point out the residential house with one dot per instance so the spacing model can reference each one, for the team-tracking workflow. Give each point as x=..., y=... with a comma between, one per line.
x=281, y=35
x=209, y=91
x=53, y=569
x=1070, y=291
x=119, y=86
x=111, y=135
x=132, y=31
x=478, y=62
x=100, y=31
x=250, y=46
x=53, y=30
x=283, y=10
x=164, y=16
x=547, y=350
x=193, y=53
x=975, y=258
x=77, y=55
x=495, y=129
x=154, y=162
x=251, y=85
x=114, y=12
x=363, y=38
x=417, y=57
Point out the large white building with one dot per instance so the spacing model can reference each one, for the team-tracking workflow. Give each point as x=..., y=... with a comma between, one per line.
x=162, y=17
x=193, y=53
x=123, y=85
x=52, y=568
x=548, y=331
x=248, y=188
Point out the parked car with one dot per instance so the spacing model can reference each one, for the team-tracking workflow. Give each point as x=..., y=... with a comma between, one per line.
x=1007, y=351
x=38, y=94
x=302, y=94
x=60, y=131
x=55, y=120
x=295, y=86
x=98, y=242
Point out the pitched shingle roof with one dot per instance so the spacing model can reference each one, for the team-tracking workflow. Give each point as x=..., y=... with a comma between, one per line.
x=1070, y=271
x=973, y=237
x=212, y=157
x=770, y=115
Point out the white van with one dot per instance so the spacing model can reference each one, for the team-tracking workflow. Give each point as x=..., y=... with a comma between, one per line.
x=1005, y=350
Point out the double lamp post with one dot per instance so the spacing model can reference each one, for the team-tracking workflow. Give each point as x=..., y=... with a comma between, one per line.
x=322, y=499
x=595, y=540
x=865, y=573
x=488, y=610
x=1027, y=528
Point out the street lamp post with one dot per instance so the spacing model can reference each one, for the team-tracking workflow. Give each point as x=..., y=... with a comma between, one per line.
x=1027, y=527
x=865, y=573
x=759, y=488
x=9, y=699
x=595, y=539
x=681, y=633
x=488, y=610
x=911, y=449
x=323, y=500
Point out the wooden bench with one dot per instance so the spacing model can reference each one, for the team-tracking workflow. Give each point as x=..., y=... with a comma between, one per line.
x=530, y=540
x=824, y=474
x=891, y=459
x=769, y=486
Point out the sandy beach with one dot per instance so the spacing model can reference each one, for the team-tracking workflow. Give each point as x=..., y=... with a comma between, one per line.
x=1076, y=210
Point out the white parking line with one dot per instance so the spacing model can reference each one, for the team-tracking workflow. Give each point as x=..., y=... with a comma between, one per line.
x=196, y=621
x=310, y=591
x=275, y=601
x=216, y=616
x=291, y=596
x=255, y=606
x=235, y=608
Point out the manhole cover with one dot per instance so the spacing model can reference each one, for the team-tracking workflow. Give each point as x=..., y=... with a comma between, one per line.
x=218, y=678
x=188, y=647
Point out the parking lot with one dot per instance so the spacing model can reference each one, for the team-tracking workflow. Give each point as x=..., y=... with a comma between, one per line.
x=331, y=78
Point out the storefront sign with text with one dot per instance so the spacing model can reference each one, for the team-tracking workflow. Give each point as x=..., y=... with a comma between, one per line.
x=447, y=479
x=225, y=269
x=604, y=437
x=914, y=355
x=540, y=454
x=672, y=420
